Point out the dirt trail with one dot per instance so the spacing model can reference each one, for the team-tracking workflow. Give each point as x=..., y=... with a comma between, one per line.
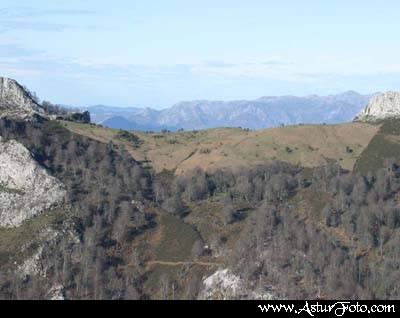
x=150, y=263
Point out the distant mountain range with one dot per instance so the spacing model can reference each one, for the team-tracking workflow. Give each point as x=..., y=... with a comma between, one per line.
x=264, y=112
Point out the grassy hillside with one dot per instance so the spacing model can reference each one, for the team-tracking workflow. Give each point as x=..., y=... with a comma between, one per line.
x=384, y=146
x=308, y=145
x=16, y=244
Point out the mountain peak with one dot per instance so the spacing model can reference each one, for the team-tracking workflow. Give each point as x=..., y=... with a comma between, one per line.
x=350, y=93
x=381, y=106
x=16, y=101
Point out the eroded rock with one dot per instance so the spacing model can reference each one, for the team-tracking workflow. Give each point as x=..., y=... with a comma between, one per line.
x=385, y=105
x=226, y=285
x=26, y=189
x=16, y=102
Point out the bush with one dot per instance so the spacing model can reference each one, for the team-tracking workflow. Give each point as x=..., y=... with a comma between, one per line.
x=128, y=136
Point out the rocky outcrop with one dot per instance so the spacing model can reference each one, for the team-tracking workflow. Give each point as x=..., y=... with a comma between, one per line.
x=225, y=285
x=26, y=189
x=56, y=293
x=32, y=265
x=385, y=105
x=17, y=102
x=77, y=117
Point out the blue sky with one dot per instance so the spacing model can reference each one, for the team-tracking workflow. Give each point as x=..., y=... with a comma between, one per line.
x=156, y=53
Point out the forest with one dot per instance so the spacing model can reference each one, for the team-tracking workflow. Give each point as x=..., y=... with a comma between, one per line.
x=319, y=232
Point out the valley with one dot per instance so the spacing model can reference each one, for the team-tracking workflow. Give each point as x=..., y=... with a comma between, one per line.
x=302, y=211
x=306, y=145
x=200, y=156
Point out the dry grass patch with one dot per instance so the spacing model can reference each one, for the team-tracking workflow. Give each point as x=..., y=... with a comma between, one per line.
x=308, y=145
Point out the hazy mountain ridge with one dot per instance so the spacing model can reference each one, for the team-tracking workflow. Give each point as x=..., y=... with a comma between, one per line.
x=265, y=112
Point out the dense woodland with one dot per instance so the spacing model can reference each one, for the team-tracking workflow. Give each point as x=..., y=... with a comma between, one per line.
x=102, y=181
x=343, y=243
x=348, y=249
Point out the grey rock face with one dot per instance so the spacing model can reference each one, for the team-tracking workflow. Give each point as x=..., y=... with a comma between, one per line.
x=224, y=284
x=385, y=105
x=26, y=189
x=16, y=102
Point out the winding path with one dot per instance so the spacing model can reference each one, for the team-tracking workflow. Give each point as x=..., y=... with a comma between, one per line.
x=181, y=263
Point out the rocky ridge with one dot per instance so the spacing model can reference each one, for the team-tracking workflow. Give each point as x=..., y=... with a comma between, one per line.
x=17, y=102
x=385, y=105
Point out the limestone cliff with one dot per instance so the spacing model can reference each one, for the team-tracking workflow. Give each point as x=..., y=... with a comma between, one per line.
x=26, y=189
x=16, y=102
x=385, y=105
x=224, y=284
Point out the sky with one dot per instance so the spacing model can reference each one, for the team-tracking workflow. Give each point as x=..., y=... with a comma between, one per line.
x=157, y=53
